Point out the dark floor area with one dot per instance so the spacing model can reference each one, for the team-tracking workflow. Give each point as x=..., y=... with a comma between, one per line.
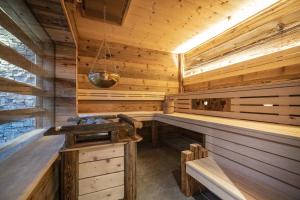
x=158, y=174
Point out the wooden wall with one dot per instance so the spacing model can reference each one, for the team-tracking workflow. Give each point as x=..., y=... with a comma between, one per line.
x=65, y=83
x=51, y=16
x=140, y=70
x=277, y=27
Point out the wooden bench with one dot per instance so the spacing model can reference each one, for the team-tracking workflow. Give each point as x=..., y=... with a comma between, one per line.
x=231, y=182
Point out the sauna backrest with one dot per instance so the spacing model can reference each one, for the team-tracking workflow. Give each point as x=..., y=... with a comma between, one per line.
x=277, y=102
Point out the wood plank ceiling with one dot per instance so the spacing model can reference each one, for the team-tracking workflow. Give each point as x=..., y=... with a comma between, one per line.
x=161, y=25
x=51, y=16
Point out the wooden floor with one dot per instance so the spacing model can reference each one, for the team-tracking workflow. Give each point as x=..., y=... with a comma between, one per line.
x=158, y=175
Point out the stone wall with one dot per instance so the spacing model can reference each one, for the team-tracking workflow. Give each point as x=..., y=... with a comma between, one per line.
x=10, y=101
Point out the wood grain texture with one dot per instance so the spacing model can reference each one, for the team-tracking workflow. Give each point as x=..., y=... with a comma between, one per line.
x=101, y=167
x=130, y=169
x=280, y=111
x=69, y=175
x=107, y=194
x=140, y=70
x=28, y=166
x=98, y=183
x=117, y=106
x=101, y=153
x=260, y=34
x=48, y=187
x=160, y=25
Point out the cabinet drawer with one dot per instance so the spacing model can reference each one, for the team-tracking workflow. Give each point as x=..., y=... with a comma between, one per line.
x=100, y=153
x=99, y=183
x=107, y=194
x=101, y=167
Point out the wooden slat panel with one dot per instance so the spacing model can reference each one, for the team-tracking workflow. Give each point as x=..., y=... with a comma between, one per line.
x=101, y=153
x=8, y=85
x=98, y=183
x=253, y=153
x=267, y=100
x=131, y=84
x=13, y=28
x=182, y=106
x=272, y=171
x=87, y=94
x=284, y=190
x=256, y=142
x=18, y=114
x=118, y=106
x=101, y=167
x=108, y=194
x=279, y=93
x=13, y=57
x=281, y=110
x=249, y=116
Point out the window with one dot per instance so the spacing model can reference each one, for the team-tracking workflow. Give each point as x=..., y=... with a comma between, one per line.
x=23, y=105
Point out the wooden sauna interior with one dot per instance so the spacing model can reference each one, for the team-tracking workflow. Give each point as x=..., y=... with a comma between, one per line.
x=206, y=104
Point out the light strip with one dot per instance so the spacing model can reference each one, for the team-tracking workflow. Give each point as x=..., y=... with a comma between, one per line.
x=245, y=11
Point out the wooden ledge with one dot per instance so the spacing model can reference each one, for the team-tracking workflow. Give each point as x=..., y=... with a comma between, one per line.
x=21, y=172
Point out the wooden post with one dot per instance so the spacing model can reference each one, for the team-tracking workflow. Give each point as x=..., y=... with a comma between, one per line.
x=196, y=149
x=194, y=184
x=185, y=178
x=154, y=134
x=69, y=175
x=130, y=169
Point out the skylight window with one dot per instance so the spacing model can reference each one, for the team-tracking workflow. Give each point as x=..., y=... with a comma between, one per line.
x=248, y=9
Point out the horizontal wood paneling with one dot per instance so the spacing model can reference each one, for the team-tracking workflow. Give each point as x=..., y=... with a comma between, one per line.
x=277, y=102
x=86, y=94
x=107, y=194
x=18, y=114
x=65, y=82
x=98, y=183
x=140, y=70
x=102, y=153
x=118, y=106
x=101, y=167
x=259, y=35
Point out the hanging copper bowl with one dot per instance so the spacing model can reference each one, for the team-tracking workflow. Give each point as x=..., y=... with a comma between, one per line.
x=103, y=79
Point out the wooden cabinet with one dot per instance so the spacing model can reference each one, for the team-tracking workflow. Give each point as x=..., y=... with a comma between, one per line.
x=105, y=172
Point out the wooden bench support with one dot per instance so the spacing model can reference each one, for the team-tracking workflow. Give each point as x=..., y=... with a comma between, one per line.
x=154, y=134
x=185, y=178
x=189, y=185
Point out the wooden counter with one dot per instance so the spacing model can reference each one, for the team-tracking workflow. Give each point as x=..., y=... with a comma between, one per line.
x=21, y=173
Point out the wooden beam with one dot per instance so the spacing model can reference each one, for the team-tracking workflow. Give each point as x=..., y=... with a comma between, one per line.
x=154, y=134
x=13, y=28
x=130, y=169
x=8, y=85
x=18, y=114
x=13, y=57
